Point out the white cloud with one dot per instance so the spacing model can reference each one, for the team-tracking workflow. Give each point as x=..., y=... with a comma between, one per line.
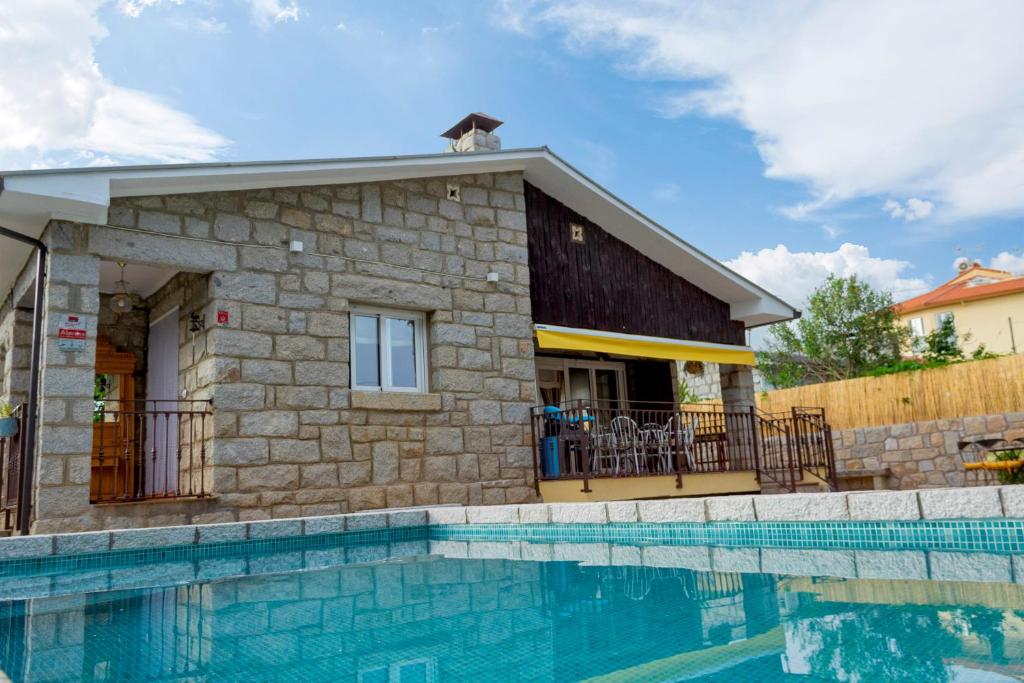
x=80, y=114
x=134, y=8
x=1005, y=260
x=914, y=210
x=666, y=192
x=794, y=275
x=267, y=12
x=831, y=231
x=853, y=99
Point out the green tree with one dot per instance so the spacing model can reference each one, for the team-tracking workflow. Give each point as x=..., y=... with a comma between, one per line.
x=848, y=330
x=942, y=344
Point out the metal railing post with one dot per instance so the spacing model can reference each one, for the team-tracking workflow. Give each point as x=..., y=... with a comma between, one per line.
x=536, y=450
x=756, y=437
x=583, y=446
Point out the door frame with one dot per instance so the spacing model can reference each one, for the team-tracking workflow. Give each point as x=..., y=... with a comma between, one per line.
x=564, y=364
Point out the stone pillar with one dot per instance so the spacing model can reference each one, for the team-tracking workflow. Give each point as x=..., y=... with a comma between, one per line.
x=64, y=454
x=737, y=386
x=737, y=400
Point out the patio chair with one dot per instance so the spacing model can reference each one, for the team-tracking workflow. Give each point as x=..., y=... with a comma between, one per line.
x=626, y=442
x=656, y=446
x=686, y=436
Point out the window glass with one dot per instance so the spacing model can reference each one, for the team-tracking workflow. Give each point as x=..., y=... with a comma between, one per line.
x=367, y=351
x=401, y=335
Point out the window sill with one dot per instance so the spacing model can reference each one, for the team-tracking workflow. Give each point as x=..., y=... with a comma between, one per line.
x=395, y=400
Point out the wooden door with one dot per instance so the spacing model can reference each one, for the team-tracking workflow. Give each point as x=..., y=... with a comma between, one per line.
x=114, y=429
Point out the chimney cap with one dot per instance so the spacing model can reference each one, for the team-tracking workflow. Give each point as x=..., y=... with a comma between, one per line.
x=477, y=120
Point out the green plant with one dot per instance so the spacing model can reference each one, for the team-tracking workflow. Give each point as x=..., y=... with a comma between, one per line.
x=5, y=409
x=1009, y=476
x=686, y=395
x=942, y=344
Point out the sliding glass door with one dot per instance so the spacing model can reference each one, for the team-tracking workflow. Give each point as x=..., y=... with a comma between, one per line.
x=562, y=379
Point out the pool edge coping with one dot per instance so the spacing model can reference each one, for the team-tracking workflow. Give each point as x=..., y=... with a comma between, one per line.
x=978, y=503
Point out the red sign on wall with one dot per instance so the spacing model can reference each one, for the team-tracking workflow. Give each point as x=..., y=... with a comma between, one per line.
x=222, y=317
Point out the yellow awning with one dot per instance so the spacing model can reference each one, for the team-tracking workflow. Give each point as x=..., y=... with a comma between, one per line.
x=574, y=339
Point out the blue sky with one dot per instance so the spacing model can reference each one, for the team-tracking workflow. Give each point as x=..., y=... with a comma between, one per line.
x=790, y=141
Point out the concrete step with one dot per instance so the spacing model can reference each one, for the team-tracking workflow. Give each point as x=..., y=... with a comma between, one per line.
x=769, y=487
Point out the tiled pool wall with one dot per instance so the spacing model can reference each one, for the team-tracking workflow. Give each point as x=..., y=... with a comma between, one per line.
x=960, y=519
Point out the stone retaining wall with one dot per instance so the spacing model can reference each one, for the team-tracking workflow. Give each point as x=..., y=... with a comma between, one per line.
x=920, y=454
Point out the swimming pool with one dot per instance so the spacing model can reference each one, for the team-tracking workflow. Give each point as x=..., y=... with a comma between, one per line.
x=518, y=602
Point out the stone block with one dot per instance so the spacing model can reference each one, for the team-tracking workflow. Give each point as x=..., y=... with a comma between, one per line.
x=980, y=567
x=697, y=558
x=88, y=542
x=269, y=423
x=443, y=440
x=883, y=505
x=323, y=373
x=534, y=514
x=18, y=547
x=223, y=533
x=363, y=521
x=578, y=513
x=152, y=538
x=891, y=564
x=840, y=563
x=234, y=452
x=395, y=401
x=454, y=514
x=268, y=477
x=622, y=511
x=960, y=503
x=161, y=250
x=266, y=371
x=407, y=518
x=329, y=524
x=736, y=560
x=492, y=514
x=731, y=509
x=801, y=507
x=275, y=528
x=1013, y=501
x=239, y=396
x=672, y=510
x=227, y=342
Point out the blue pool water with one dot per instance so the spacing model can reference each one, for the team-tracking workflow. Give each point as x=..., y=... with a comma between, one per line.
x=417, y=610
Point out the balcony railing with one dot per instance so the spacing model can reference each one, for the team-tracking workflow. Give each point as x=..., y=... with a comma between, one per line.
x=146, y=450
x=599, y=439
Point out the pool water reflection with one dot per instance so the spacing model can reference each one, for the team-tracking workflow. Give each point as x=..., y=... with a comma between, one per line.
x=433, y=618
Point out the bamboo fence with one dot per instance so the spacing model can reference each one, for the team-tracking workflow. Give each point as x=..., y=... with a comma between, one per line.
x=978, y=387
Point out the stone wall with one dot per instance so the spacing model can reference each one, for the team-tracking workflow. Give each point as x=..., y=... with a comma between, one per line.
x=920, y=454
x=289, y=436
x=15, y=354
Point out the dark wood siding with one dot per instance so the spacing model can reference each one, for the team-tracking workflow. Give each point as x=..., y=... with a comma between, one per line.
x=605, y=284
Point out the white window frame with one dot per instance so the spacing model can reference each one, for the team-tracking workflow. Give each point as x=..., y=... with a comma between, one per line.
x=419, y=321
x=919, y=330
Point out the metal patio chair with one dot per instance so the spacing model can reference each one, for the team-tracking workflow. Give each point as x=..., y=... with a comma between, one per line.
x=626, y=443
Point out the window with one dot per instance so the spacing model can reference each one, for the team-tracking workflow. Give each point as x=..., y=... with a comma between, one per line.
x=940, y=318
x=916, y=327
x=388, y=351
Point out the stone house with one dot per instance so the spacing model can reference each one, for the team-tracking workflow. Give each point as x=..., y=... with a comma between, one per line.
x=252, y=340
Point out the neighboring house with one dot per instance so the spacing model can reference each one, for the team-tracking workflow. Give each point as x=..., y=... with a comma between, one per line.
x=986, y=305
x=312, y=337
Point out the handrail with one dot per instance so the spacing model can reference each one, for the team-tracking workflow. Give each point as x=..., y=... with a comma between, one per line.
x=577, y=440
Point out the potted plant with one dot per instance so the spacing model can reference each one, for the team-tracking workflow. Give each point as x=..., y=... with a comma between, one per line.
x=8, y=423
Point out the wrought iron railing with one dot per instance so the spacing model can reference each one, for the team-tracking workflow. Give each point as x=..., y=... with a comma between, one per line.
x=148, y=449
x=12, y=458
x=598, y=439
